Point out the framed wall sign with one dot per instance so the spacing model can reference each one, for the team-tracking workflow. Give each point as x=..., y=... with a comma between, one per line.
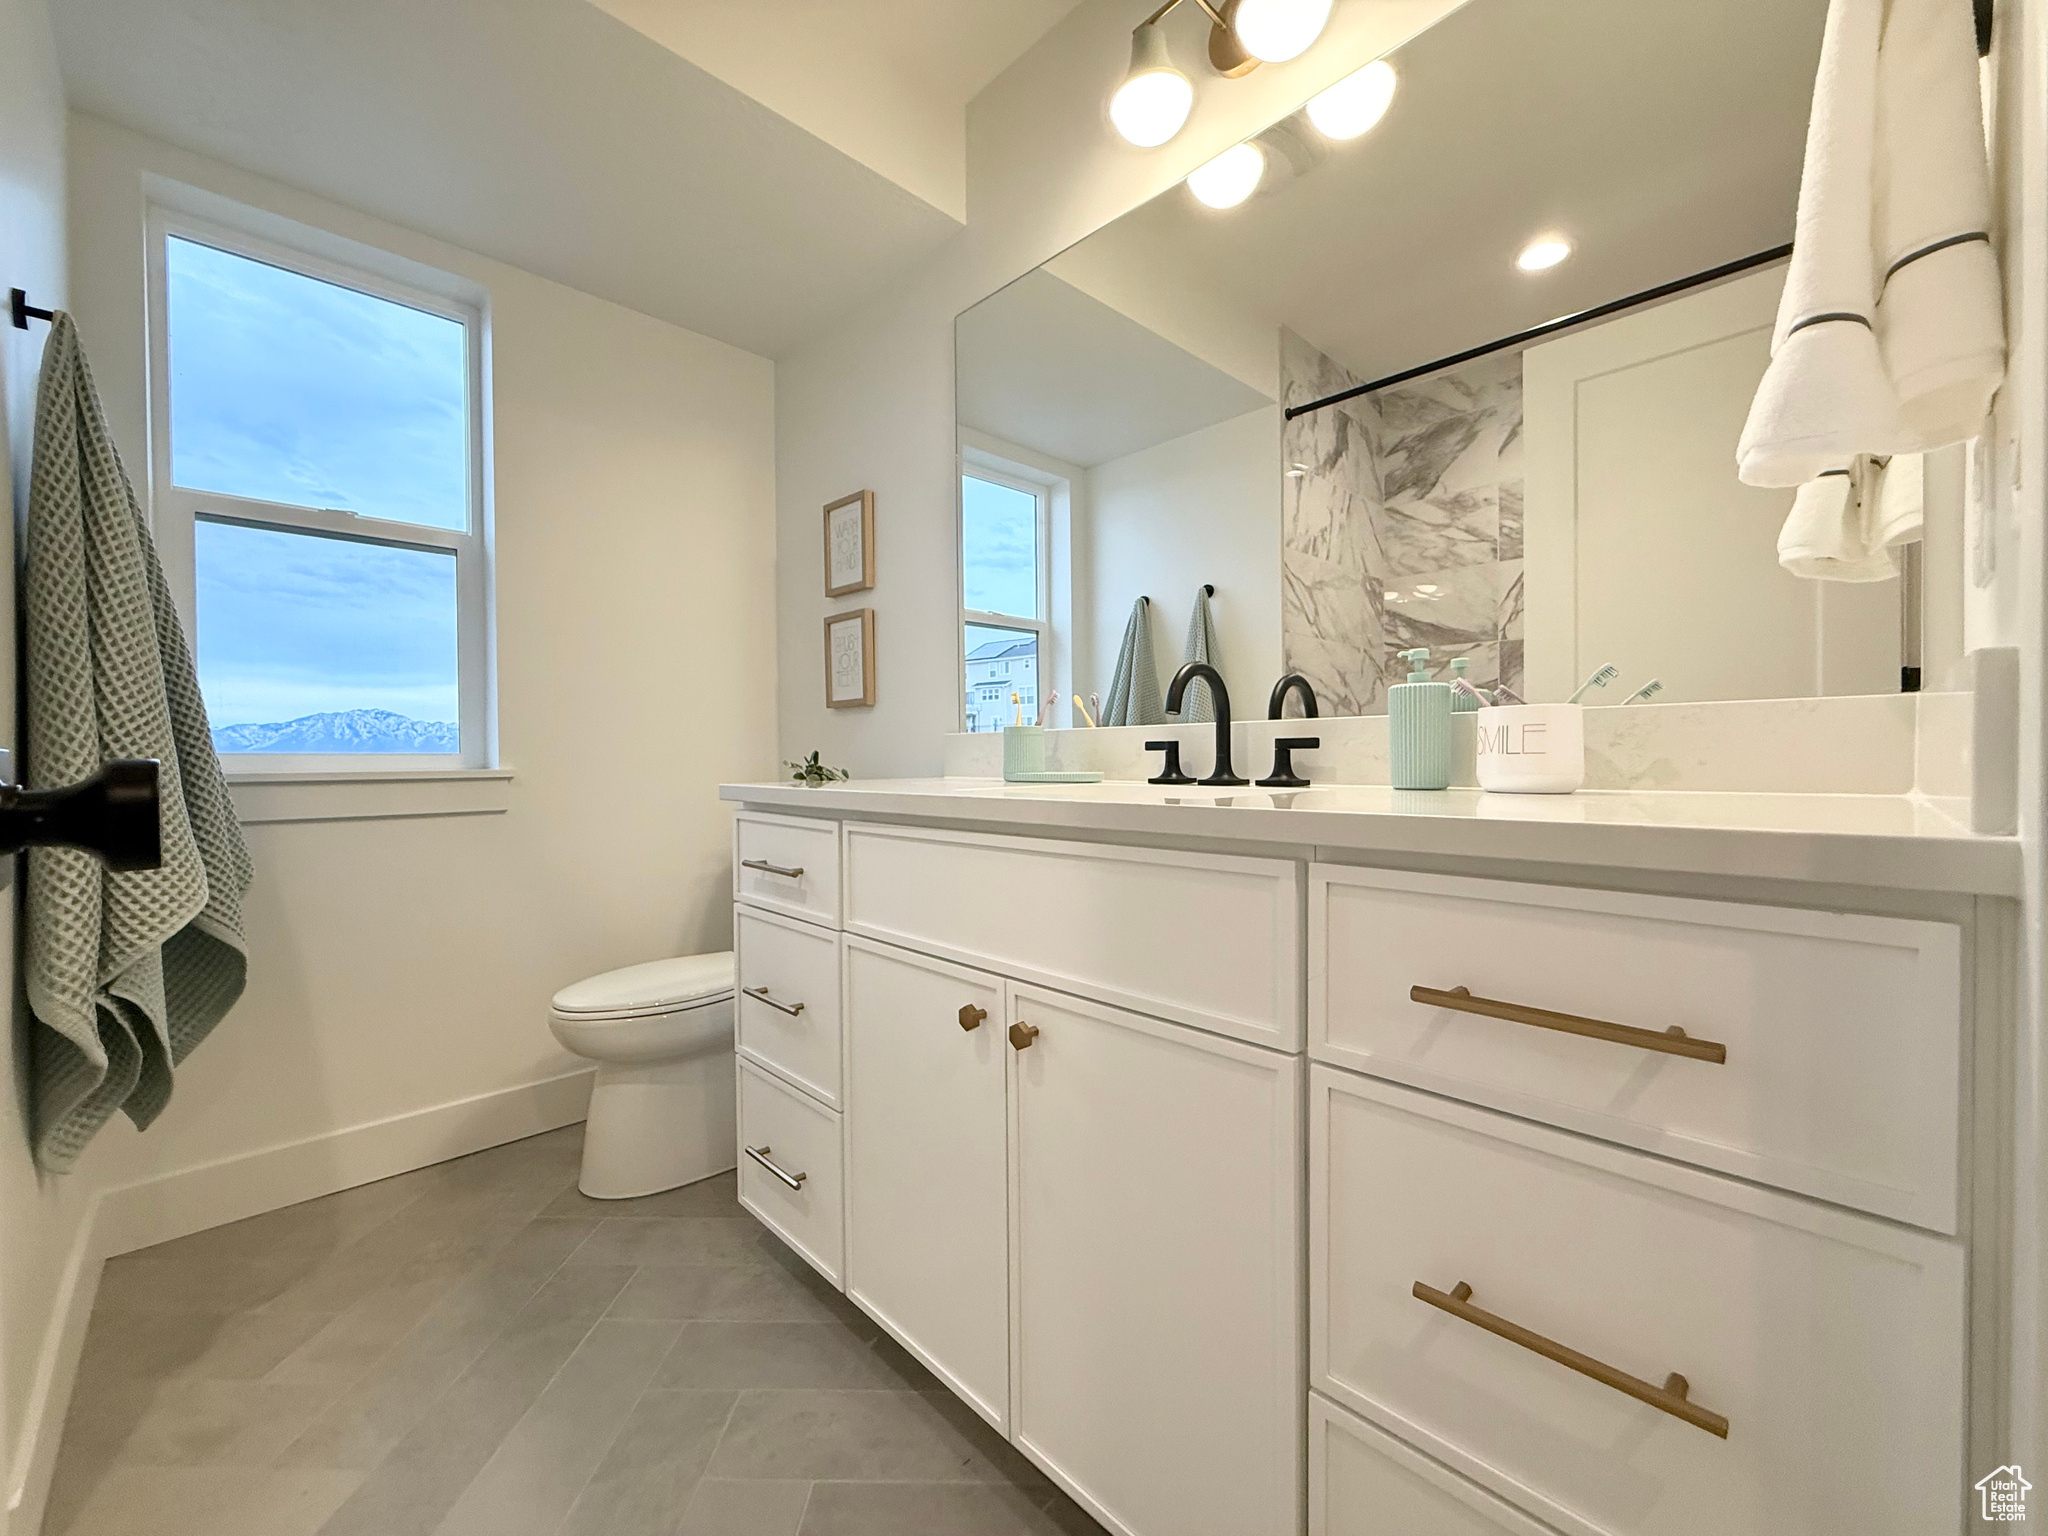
x=850, y=659
x=850, y=544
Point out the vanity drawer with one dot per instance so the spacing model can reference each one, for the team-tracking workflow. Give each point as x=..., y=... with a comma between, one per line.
x=1842, y=1032
x=789, y=1168
x=786, y=966
x=1832, y=1344
x=788, y=864
x=1206, y=939
x=1364, y=1482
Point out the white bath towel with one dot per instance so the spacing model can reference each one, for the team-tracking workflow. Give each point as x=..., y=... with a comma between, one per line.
x=1895, y=494
x=1825, y=537
x=1890, y=334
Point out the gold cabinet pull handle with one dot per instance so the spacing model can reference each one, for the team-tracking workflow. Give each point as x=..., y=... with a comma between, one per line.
x=787, y=872
x=1670, y=1398
x=1672, y=1042
x=1021, y=1035
x=971, y=1016
x=761, y=995
x=760, y=1155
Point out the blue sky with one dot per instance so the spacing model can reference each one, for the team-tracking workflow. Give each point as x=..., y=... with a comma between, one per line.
x=998, y=548
x=293, y=625
x=288, y=389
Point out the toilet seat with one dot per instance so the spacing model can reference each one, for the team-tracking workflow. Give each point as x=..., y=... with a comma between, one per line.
x=649, y=990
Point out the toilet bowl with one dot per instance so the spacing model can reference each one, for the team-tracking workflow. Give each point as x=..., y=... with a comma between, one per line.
x=661, y=1109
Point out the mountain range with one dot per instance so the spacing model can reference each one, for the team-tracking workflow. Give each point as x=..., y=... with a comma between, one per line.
x=349, y=730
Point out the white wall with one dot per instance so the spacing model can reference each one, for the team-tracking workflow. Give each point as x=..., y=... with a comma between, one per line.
x=870, y=405
x=36, y=1224
x=400, y=970
x=1164, y=520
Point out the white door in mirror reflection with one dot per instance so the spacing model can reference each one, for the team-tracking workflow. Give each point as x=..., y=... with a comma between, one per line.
x=1643, y=548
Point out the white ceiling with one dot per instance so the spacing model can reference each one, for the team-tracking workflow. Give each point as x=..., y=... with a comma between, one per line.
x=549, y=135
x=1664, y=138
x=886, y=81
x=1047, y=367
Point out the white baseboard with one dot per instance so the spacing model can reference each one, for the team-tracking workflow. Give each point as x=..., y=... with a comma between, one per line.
x=150, y=1211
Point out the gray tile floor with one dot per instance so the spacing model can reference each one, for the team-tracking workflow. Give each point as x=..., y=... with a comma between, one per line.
x=476, y=1349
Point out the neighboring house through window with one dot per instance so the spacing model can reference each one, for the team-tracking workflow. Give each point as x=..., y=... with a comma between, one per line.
x=318, y=494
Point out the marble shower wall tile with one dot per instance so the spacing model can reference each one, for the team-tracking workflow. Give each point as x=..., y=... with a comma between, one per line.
x=1332, y=561
x=1402, y=527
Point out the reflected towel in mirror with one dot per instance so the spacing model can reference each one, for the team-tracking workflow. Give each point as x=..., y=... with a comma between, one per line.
x=1201, y=646
x=1134, y=697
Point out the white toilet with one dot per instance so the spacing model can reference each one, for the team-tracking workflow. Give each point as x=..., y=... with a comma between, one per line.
x=661, y=1111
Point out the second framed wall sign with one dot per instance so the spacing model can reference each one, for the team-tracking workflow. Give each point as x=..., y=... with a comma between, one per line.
x=850, y=659
x=850, y=544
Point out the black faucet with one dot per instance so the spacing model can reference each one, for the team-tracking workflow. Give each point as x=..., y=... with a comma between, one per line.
x=1221, y=773
x=1277, y=705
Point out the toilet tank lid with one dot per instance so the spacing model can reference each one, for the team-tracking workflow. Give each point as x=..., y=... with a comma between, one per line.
x=657, y=984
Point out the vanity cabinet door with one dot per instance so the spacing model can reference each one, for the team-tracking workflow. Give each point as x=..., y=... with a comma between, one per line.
x=927, y=1179
x=1156, y=1250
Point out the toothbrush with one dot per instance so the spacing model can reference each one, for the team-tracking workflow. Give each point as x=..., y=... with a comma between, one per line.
x=1654, y=685
x=1052, y=698
x=1017, y=702
x=1503, y=694
x=1095, y=708
x=1082, y=710
x=1459, y=685
x=1599, y=679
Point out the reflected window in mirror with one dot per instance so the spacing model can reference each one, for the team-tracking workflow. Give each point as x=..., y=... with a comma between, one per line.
x=1004, y=594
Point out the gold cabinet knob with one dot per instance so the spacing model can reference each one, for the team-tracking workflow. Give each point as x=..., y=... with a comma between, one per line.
x=971, y=1016
x=1021, y=1035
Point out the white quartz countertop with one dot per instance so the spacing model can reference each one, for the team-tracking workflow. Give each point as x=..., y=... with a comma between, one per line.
x=1905, y=842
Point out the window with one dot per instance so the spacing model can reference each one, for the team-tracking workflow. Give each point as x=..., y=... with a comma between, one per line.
x=318, y=473
x=1003, y=597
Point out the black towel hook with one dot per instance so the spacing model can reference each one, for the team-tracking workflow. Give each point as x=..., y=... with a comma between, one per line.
x=23, y=311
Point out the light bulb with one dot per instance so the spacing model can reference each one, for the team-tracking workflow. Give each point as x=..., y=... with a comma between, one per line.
x=1355, y=103
x=1152, y=103
x=1230, y=178
x=1542, y=254
x=1278, y=30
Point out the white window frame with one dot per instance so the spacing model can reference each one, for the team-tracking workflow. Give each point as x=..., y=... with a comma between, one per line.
x=1041, y=495
x=176, y=510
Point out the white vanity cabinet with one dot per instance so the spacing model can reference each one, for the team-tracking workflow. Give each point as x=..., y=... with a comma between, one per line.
x=1067, y=1092
x=1155, y=1233
x=927, y=1164
x=1646, y=1215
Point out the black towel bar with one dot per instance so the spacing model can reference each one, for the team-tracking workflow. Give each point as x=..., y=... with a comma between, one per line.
x=22, y=311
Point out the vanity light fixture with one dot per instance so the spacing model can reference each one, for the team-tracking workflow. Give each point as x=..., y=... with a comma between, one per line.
x=1230, y=178
x=1543, y=253
x=1275, y=31
x=1355, y=104
x=1154, y=100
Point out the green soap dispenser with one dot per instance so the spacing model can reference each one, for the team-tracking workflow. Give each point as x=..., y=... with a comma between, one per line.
x=1462, y=703
x=1419, y=727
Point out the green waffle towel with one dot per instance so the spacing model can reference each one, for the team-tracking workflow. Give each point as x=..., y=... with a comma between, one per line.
x=125, y=973
x=1195, y=703
x=1134, y=688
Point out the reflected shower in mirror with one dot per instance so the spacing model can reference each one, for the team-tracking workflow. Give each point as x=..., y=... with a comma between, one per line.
x=1535, y=496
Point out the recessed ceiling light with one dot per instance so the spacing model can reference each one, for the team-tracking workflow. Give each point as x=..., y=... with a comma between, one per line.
x=1153, y=102
x=1279, y=30
x=1230, y=178
x=1354, y=104
x=1541, y=254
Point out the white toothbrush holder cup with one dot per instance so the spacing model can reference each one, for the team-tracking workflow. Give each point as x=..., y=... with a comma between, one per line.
x=1532, y=749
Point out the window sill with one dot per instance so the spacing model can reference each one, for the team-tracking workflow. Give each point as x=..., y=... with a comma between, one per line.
x=370, y=796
